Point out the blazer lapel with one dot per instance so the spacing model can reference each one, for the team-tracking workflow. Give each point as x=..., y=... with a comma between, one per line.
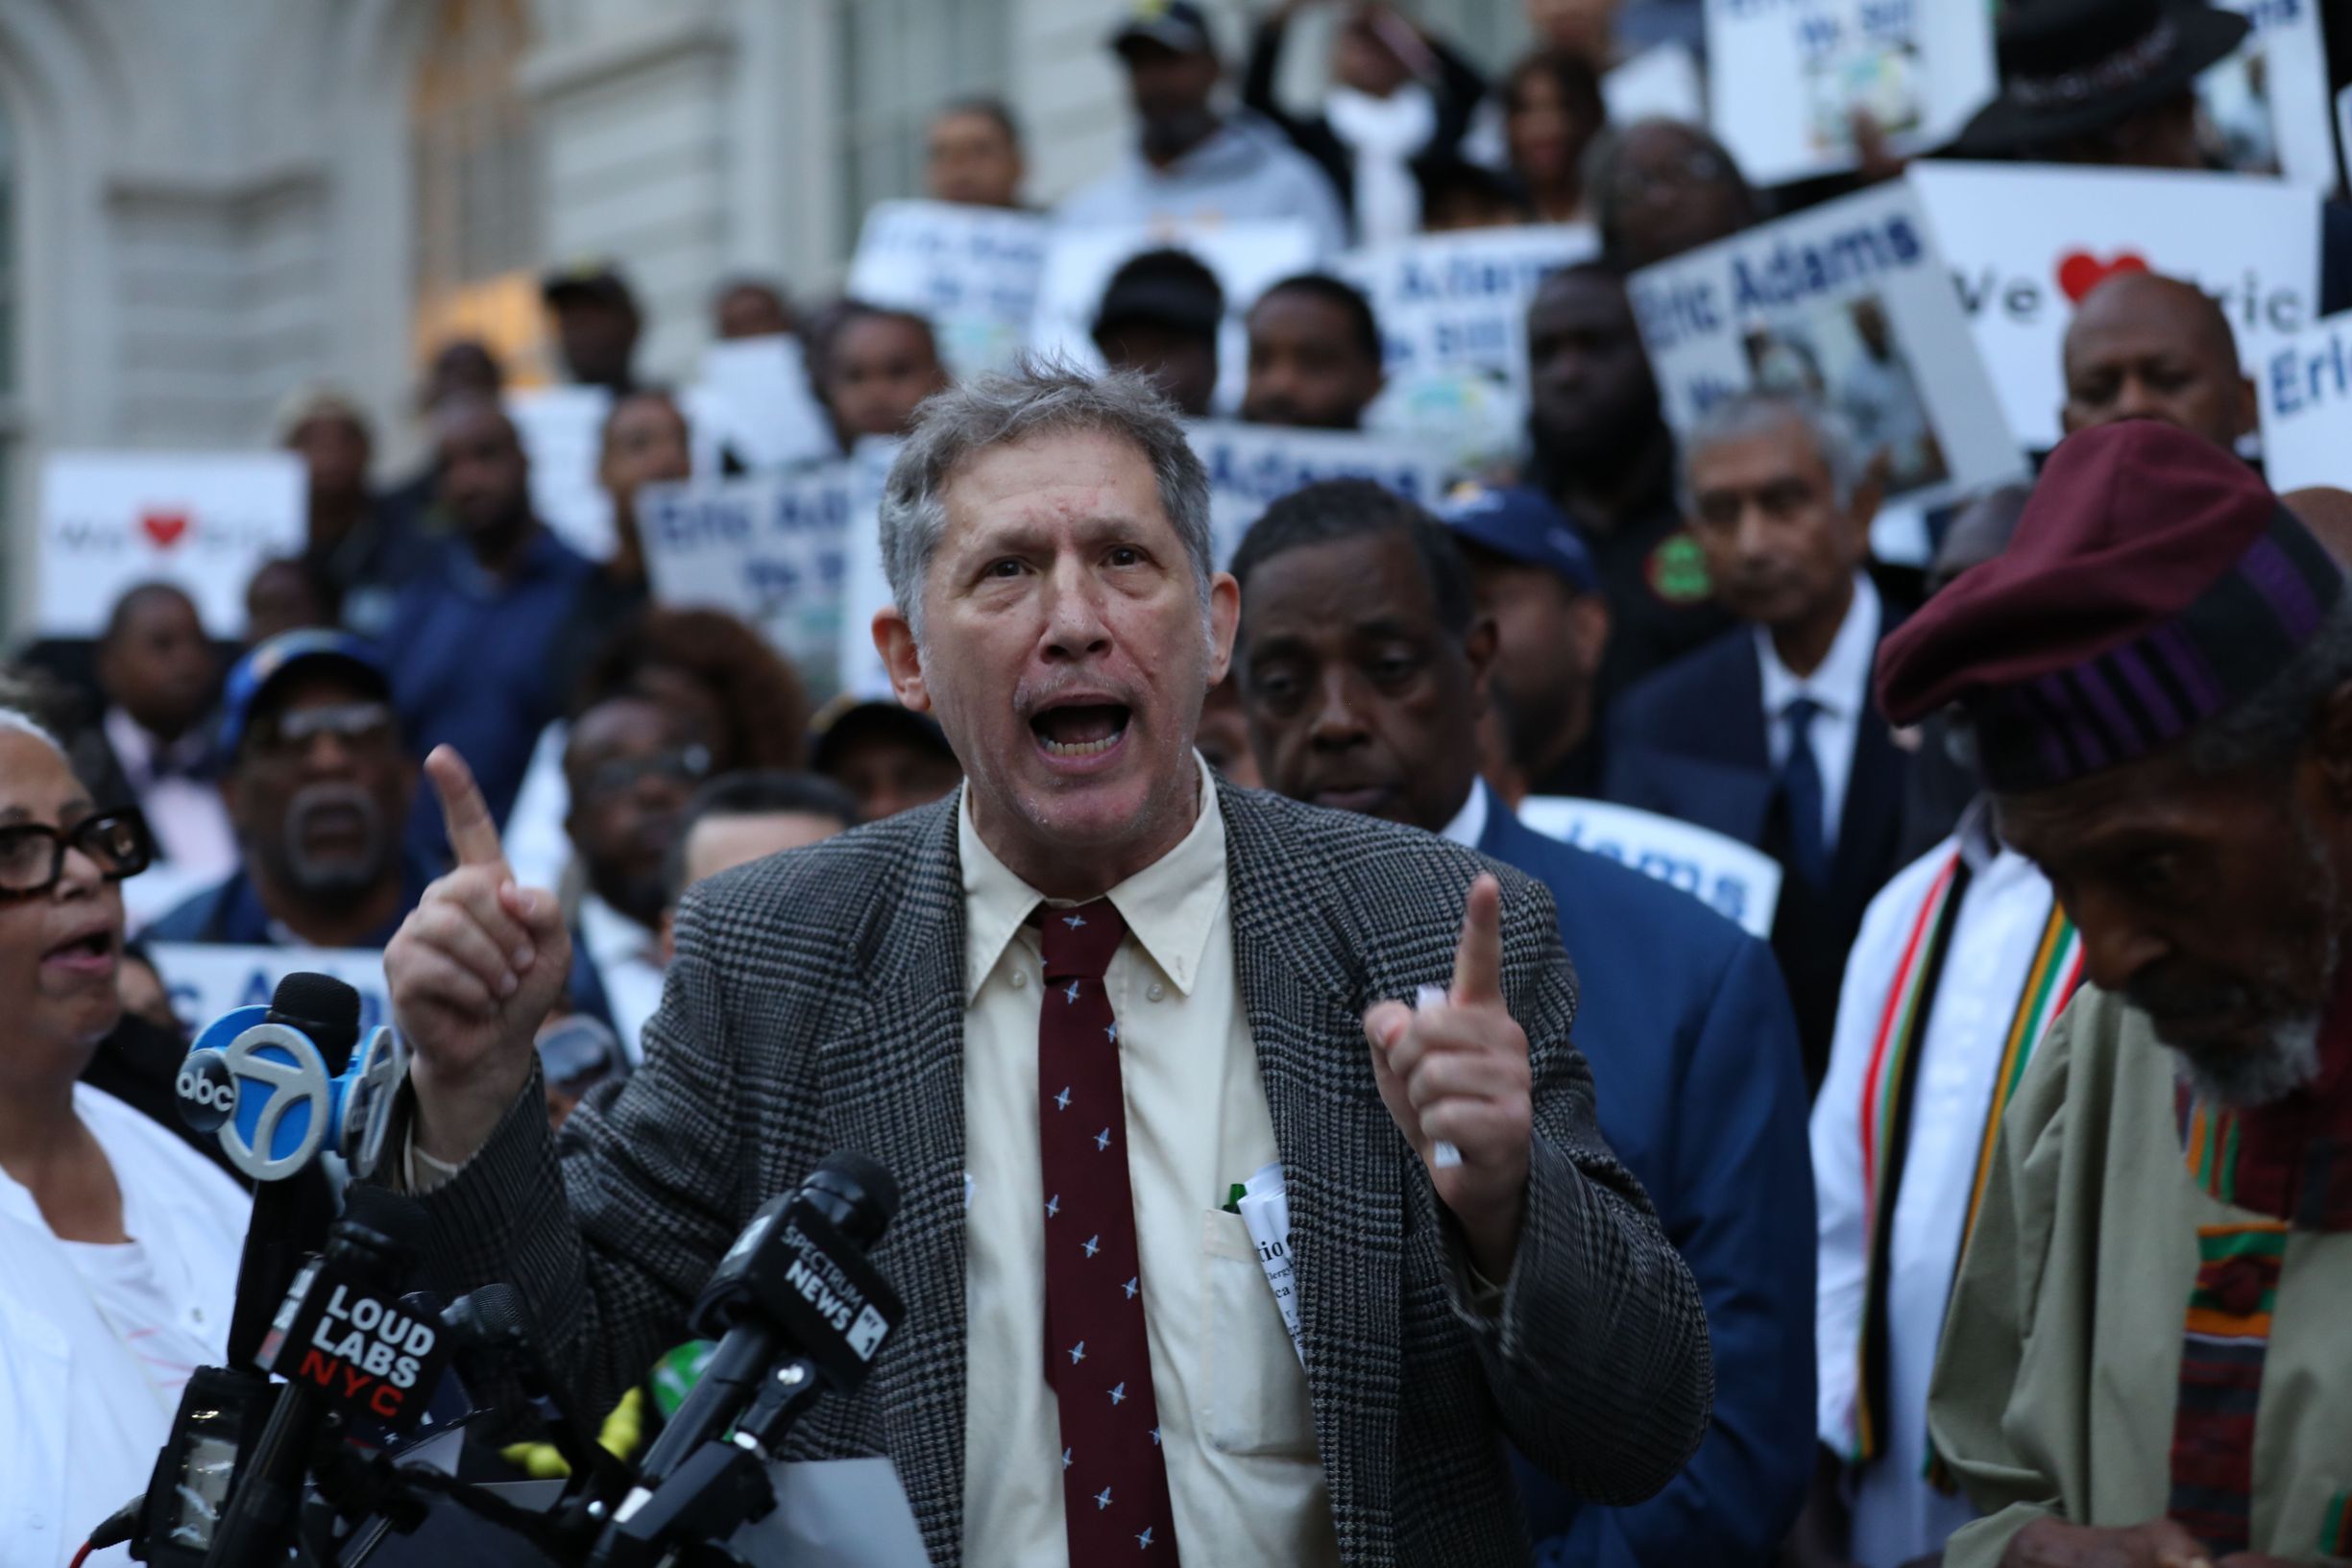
x=1343, y=1161
x=893, y=1082
x=1874, y=808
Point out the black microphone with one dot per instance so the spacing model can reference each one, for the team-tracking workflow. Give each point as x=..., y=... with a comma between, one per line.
x=342, y=1341
x=492, y=1325
x=798, y=1276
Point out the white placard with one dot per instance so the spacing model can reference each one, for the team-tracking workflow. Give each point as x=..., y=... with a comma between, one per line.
x=205, y=981
x=1244, y=256
x=1737, y=881
x=769, y=548
x=1849, y=303
x=755, y=402
x=972, y=271
x=867, y=589
x=2268, y=102
x=562, y=430
x=1253, y=465
x=204, y=520
x=1661, y=83
x=2026, y=243
x=1452, y=308
x=1791, y=74
x=2306, y=387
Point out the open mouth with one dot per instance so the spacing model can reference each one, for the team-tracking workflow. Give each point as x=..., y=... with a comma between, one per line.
x=1080, y=730
x=91, y=953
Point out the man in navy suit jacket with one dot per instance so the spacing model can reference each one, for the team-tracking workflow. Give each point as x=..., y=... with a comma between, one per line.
x=1364, y=663
x=1767, y=733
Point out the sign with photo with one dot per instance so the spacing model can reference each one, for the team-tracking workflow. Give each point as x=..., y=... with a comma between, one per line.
x=1805, y=68
x=204, y=520
x=2306, y=388
x=2027, y=243
x=972, y=271
x=1253, y=465
x=1739, y=882
x=1244, y=256
x=2265, y=106
x=770, y=548
x=754, y=402
x=1452, y=308
x=205, y=981
x=1849, y=303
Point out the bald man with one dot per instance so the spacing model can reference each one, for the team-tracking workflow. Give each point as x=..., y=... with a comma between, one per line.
x=2148, y=347
x=2327, y=512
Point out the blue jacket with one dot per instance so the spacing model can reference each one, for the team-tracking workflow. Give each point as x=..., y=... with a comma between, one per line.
x=1695, y=1055
x=229, y=912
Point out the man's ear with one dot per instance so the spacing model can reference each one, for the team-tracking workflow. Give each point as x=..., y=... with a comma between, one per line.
x=2249, y=408
x=1224, y=620
x=1478, y=647
x=1589, y=623
x=894, y=640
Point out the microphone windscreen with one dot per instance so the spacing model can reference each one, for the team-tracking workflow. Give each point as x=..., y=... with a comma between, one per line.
x=398, y=1219
x=498, y=1313
x=865, y=1183
x=323, y=1008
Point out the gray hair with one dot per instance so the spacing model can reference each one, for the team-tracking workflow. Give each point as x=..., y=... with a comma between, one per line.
x=1034, y=397
x=17, y=720
x=1746, y=414
x=2268, y=728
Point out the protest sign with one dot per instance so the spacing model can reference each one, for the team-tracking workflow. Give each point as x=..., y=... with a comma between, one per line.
x=1661, y=83
x=562, y=430
x=204, y=520
x=2265, y=106
x=1253, y=465
x=755, y=402
x=1453, y=308
x=2306, y=388
x=1244, y=256
x=769, y=548
x=1739, y=882
x=1806, y=67
x=866, y=586
x=973, y=271
x=1850, y=304
x=204, y=980
x=2027, y=243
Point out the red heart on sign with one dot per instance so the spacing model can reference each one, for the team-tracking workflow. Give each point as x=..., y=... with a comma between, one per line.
x=2080, y=272
x=163, y=528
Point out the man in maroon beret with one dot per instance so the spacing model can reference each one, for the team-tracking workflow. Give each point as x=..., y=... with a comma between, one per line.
x=2148, y=1354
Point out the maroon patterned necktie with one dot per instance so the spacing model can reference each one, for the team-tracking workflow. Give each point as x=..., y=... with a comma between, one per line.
x=1114, y=1477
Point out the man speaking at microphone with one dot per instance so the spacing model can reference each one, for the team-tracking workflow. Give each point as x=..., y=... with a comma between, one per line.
x=1069, y=1006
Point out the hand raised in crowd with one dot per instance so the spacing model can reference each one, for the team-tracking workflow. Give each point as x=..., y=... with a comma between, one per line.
x=1458, y=1073
x=2160, y=1543
x=472, y=972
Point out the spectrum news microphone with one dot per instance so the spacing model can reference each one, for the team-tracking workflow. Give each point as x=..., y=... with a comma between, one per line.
x=798, y=1309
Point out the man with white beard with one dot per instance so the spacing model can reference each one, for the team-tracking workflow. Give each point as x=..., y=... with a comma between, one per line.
x=318, y=788
x=2148, y=1358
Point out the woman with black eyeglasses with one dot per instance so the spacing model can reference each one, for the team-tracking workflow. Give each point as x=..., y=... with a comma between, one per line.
x=119, y=1242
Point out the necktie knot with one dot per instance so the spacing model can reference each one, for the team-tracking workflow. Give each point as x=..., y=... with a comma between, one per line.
x=1800, y=715
x=1077, y=941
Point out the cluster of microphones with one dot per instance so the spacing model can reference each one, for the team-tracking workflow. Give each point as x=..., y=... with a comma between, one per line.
x=330, y=1437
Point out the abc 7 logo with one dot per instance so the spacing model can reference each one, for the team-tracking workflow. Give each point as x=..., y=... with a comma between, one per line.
x=207, y=1092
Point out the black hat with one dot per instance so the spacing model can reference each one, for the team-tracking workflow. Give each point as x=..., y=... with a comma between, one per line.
x=2070, y=68
x=593, y=281
x=1167, y=288
x=847, y=720
x=1177, y=25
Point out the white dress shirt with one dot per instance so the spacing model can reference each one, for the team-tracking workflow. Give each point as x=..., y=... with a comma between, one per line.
x=188, y=816
x=1236, y=1422
x=628, y=960
x=1470, y=824
x=1839, y=686
x=1897, y=1514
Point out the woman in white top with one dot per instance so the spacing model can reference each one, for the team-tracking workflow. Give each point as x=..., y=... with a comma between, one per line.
x=118, y=1244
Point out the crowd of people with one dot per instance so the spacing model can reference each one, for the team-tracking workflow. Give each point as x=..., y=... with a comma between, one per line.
x=2043, y=1049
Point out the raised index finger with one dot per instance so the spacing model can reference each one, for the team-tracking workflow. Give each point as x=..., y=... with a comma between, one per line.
x=1478, y=959
x=472, y=836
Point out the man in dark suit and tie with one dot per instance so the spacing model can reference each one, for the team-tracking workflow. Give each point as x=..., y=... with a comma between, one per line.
x=1068, y=1006
x=1363, y=666
x=1767, y=733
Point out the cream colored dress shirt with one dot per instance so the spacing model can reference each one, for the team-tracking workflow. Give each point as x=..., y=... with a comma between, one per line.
x=1235, y=1421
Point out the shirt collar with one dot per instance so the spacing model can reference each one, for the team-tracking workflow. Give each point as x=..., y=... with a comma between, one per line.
x=1470, y=824
x=1840, y=687
x=1170, y=905
x=611, y=938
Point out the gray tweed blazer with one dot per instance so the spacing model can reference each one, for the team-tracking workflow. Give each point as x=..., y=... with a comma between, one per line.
x=816, y=1003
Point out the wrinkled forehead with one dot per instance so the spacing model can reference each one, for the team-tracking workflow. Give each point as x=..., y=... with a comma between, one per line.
x=1071, y=483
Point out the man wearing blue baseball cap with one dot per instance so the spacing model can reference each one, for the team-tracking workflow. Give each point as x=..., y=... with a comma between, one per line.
x=1536, y=581
x=318, y=789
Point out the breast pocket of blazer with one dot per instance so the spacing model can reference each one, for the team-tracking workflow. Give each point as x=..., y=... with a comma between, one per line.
x=1256, y=1399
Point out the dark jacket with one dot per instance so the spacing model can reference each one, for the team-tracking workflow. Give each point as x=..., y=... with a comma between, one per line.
x=1702, y=1091
x=230, y=911
x=816, y=1002
x=1690, y=742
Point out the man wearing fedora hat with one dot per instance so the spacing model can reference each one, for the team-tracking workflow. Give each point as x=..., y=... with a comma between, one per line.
x=2107, y=81
x=2145, y=1360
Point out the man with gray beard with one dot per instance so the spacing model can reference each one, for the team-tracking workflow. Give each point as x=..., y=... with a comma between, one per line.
x=317, y=788
x=2145, y=1359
